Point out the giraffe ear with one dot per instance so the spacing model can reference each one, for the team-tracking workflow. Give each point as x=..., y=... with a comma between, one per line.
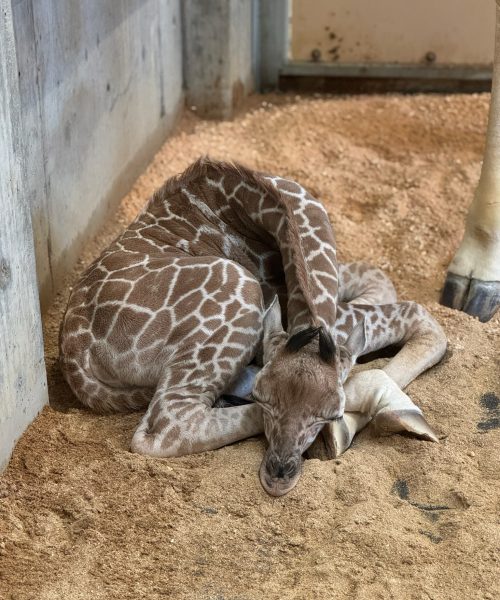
x=274, y=334
x=272, y=319
x=356, y=342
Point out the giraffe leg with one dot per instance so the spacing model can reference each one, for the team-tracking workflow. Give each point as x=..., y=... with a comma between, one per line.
x=377, y=394
x=180, y=423
x=373, y=396
x=473, y=279
x=362, y=283
x=184, y=416
x=407, y=325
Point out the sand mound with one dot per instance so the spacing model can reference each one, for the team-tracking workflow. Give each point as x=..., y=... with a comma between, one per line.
x=81, y=517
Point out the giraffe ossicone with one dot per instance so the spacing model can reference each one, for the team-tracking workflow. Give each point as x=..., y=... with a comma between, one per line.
x=183, y=315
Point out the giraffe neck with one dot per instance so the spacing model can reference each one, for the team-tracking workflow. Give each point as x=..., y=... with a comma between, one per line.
x=301, y=230
x=231, y=209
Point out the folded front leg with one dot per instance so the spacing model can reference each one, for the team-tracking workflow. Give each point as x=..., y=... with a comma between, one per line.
x=177, y=424
x=373, y=396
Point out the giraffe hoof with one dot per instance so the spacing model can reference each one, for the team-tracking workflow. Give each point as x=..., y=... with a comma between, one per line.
x=396, y=421
x=333, y=441
x=475, y=297
x=340, y=439
x=483, y=299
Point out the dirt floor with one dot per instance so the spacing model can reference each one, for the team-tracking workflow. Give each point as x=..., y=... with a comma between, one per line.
x=83, y=518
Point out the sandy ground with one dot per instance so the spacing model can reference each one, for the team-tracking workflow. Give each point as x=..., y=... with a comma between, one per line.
x=82, y=518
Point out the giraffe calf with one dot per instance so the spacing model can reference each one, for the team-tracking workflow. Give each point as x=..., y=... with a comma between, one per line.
x=200, y=284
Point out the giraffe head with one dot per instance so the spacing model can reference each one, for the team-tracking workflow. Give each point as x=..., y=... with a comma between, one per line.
x=300, y=389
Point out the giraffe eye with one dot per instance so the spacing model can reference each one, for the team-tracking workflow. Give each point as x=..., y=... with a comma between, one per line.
x=331, y=419
x=257, y=399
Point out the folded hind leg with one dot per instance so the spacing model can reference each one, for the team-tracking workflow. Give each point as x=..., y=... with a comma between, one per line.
x=373, y=396
x=377, y=393
x=361, y=283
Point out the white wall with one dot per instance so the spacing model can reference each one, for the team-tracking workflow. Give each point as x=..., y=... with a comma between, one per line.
x=393, y=31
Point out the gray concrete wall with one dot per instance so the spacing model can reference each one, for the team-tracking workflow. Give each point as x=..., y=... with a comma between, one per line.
x=23, y=388
x=101, y=86
x=89, y=90
x=218, y=52
x=272, y=41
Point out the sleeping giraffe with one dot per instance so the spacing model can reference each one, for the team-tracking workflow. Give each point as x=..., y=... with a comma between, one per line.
x=224, y=269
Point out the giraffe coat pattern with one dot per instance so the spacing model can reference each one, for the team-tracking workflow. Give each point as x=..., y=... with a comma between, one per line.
x=175, y=309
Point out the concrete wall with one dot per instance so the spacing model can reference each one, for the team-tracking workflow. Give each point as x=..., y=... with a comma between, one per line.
x=218, y=52
x=101, y=86
x=23, y=388
x=271, y=41
x=89, y=90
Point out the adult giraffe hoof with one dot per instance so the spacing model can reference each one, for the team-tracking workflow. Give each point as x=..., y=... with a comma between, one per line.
x=475, y=297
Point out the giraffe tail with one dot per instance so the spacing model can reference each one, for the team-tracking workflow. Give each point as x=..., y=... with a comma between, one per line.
x=98, y=395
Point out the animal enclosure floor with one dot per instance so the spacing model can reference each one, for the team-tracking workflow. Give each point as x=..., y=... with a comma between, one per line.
x=394, y=518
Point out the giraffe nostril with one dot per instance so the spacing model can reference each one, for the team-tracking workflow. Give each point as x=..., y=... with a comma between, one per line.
x=281, y=469
x=275, y=468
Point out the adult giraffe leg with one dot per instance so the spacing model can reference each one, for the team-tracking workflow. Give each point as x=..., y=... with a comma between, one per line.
x=473, y=279
x=376, y=394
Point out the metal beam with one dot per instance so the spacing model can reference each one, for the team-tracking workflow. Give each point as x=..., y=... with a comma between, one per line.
x=379, y=78
x=273, y=41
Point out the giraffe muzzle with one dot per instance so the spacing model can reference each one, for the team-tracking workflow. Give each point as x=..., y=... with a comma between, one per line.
x=279, y=476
